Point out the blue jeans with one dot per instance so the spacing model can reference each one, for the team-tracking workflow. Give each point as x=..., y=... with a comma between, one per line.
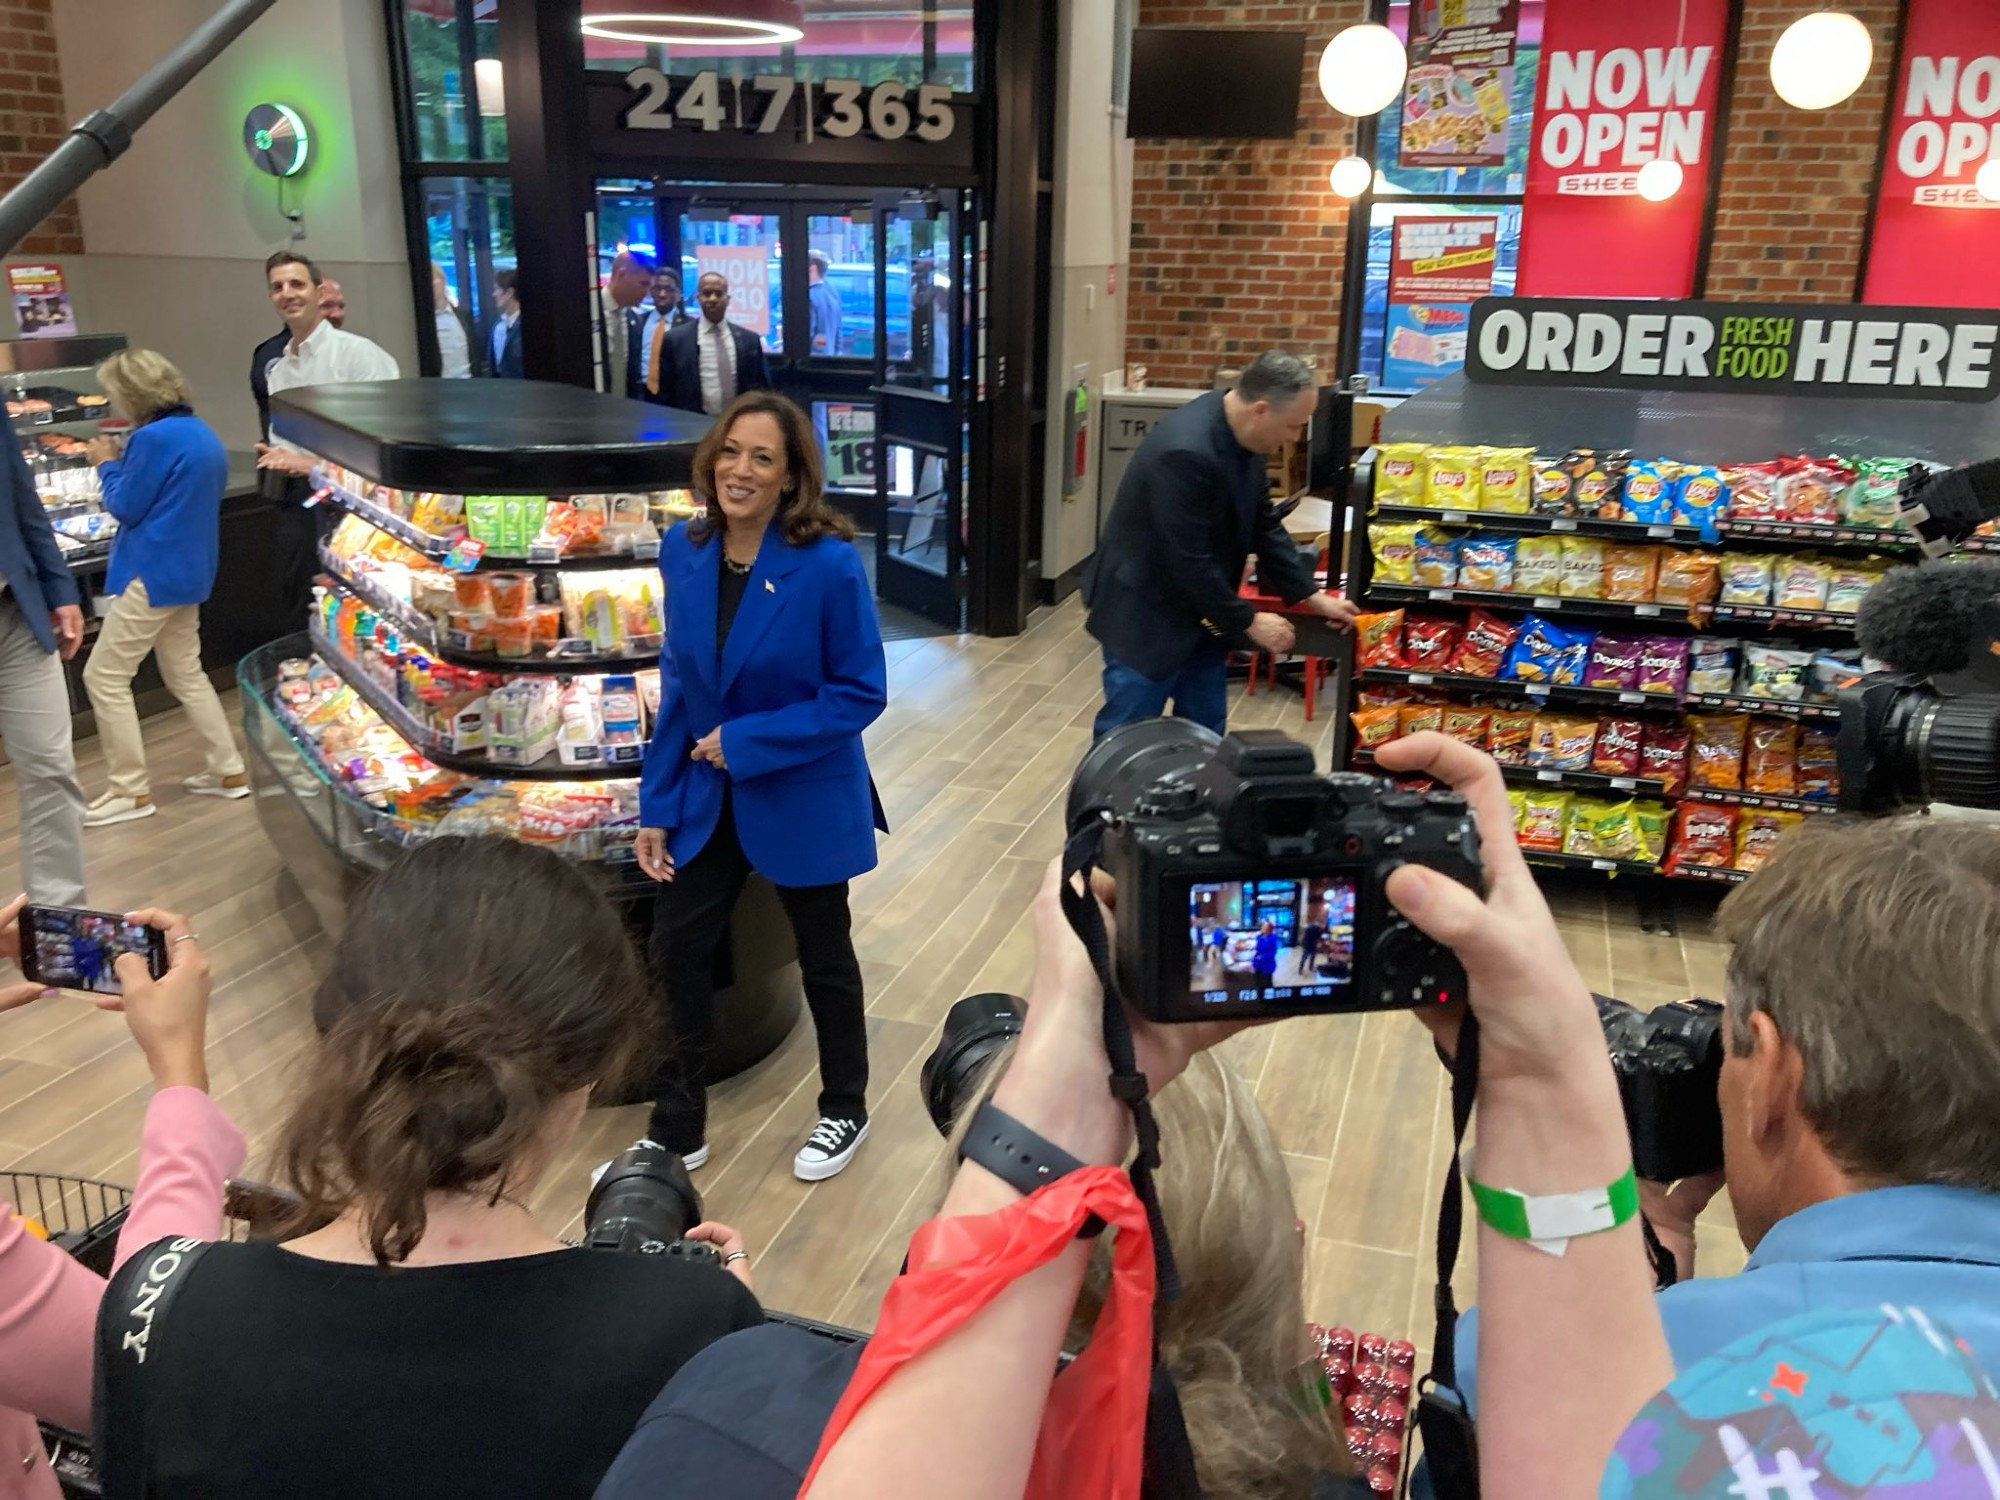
x=1200, y=691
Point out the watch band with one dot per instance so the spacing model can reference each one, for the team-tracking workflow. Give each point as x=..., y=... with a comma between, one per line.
x=1017, y=1156
x=1557, y=1217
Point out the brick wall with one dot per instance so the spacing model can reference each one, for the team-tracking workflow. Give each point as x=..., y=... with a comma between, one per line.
x=32, y=118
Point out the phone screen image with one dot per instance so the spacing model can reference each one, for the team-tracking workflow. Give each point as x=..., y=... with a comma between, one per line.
x=75, y=950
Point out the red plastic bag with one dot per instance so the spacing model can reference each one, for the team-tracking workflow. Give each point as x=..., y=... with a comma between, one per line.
x=1093, y=1433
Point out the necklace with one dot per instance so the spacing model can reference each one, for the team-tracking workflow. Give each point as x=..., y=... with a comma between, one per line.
x=741, y=570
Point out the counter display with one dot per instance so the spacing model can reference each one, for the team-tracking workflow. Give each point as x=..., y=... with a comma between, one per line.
x=55, y=406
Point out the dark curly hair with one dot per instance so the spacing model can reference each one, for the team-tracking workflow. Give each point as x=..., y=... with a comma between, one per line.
x=803, y=514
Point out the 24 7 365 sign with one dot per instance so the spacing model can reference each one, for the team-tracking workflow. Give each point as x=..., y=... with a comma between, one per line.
x=770, y=103
x=1919, y=353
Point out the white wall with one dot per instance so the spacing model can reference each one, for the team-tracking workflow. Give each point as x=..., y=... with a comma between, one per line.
x=1092, y=234
x=178, y=228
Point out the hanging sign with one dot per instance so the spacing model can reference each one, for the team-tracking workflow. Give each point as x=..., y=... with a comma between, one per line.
x=1935, y=235
x=1620, y=86
x=41, y=302
x=1884, y=353
x=1457, y=95
x=1437, y=269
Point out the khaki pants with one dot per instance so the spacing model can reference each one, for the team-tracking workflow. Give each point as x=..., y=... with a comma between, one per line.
x=131, y=629
x=34, y=722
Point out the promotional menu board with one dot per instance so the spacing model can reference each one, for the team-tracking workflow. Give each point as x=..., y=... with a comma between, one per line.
x=1936, y=236
x=1438, y=267
x=1620, y=86
x=1457, y=96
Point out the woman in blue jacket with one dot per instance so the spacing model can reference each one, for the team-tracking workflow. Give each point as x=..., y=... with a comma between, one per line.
x=166, y=493
x=773, y=666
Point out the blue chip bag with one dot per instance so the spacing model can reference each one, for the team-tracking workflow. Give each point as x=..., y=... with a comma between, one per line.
x=1486, y=561
x=1436, y=561
x=1547, y=652
x=1701, y=500
x=1650, y=488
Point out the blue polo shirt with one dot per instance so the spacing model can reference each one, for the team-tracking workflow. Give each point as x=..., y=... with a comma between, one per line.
x=1937, y=1248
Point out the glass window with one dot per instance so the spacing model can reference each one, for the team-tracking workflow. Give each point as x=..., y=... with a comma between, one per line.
x=469, y=225
x=456, y=94
x=841, y=248
x=921, y=298
x=746, y=250
x=874, y=42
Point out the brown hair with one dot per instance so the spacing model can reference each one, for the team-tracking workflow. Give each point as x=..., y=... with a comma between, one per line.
x=1235, y=1342
x=1874, y=948
x=803, y=514
x=477, y=982
x=292, y=258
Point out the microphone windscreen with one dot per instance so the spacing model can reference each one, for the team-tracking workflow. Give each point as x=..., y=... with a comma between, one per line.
x=1925, y=620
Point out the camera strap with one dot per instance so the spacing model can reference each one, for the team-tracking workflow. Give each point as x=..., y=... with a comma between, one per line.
x=128, y=1357
x=1170, y=1470
x=1449, y=1444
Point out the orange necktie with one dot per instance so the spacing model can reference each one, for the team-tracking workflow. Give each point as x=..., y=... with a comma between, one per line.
x=653, y=358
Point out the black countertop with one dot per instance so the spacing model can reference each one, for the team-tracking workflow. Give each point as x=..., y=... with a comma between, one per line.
x=501, y=437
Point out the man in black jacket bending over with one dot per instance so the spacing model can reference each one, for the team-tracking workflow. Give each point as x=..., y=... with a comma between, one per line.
x=1193, y=505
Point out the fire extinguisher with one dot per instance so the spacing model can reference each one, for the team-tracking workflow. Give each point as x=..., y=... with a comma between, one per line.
x=1077, y=433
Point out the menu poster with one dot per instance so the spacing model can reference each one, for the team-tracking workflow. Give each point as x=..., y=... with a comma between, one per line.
x=747, y=269
x=1437, y=269
x=1456, y=99
x=1937, y=238
x=41, y=302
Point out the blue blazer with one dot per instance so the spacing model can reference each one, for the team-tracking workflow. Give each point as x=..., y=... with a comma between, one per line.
x=167, y=495
x=30, y=561
x=801, y=676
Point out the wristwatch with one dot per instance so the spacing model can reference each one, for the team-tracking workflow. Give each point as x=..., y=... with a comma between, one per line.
x=1018, y=1156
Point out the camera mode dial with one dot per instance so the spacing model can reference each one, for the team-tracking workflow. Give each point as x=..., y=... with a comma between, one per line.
x=1411, y=970
x=1170, y=799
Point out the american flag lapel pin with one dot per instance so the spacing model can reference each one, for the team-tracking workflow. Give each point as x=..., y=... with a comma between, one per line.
x=770, y=587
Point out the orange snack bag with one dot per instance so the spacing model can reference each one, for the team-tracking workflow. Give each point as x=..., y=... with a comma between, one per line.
x=1686, y=578
x=1414, y=718
x=1771, y=758
x=1509, y=732
x=1469, y=725
x=1715, y=757
x=1374, y=727
x=1630, y=572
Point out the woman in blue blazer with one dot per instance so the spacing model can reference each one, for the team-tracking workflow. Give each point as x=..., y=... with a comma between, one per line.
x=773, y=666
x=166, y=493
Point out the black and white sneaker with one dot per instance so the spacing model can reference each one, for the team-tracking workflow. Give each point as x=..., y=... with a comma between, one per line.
x=691, y=1160
x=828, y=1149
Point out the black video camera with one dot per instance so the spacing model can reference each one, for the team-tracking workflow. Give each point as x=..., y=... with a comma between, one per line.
x=1251, y=885
x=1668, y=1061
x=645, y=1202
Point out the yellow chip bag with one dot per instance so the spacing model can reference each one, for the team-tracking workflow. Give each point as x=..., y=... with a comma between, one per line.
x=1583, y=567
x=1451, y=478
x=1506, y=478
x=1399, y=477
x=1395, y=549
x=1538, y=565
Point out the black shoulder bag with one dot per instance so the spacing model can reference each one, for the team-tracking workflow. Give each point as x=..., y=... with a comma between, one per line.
x=129, y=1353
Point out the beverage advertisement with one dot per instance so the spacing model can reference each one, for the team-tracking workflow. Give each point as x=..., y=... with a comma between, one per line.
x=1456, y=98
x=1437, y=269
x=41, y=302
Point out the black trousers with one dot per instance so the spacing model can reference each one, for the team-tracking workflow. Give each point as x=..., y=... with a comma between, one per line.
x=295, y=537
x=690, y=922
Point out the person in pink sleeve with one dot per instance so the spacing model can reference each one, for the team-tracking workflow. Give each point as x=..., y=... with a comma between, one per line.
x=48, y=1302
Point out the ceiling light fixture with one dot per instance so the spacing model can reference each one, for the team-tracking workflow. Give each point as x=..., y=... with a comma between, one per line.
x=490, y=75
x=1350, y=176
x=696, y=23
x=1987, y=181
x=1821, y=59
x=1660, y=180
x=1362, y=69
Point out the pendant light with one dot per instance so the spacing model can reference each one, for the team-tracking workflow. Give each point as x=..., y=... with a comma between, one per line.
x=1987, y=181
x=696, y=23
x=1821, y=60
x=1350, y=176
x=1363, y=69
x=1660, y=180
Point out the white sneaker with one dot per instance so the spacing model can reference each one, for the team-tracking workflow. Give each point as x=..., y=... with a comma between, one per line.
x=206, y=785
x=694, y=1159
x=112, y=809
x=828, y=1149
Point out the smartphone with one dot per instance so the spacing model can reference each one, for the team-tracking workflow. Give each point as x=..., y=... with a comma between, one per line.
x=73, y=949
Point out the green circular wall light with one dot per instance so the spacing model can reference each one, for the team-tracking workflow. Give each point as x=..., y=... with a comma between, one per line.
x=275, y=135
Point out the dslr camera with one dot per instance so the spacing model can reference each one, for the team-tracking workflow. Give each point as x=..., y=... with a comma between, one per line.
x=646, y=1203
x=1668, y=1061
x=1250, y=885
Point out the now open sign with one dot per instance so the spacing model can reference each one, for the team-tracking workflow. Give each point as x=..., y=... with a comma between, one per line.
x=747, y=269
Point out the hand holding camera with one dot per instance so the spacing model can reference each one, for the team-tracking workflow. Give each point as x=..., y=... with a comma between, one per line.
x=167, y=1015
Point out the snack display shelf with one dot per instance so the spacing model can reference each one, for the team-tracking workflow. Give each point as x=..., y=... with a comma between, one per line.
x=1785, y=708
x=1771, y=614
x=399, y=718
x=1556, y=861
x=438, y=644
x=434, y=546
x=1712, y=874
x=1758, y=799
x=1538, y=692
x=1525, y=524
x=1613, y=609
x=1580, y=781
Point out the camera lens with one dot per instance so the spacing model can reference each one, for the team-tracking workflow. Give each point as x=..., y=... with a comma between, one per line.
x=1120, y=767
x=1948, y=750
x=975, y=1029
x=644, y=1201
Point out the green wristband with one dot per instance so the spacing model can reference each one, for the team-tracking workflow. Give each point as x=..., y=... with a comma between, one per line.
x=1557, y=1216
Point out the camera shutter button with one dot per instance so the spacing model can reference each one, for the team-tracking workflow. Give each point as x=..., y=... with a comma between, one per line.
x=1171, y=801
x=1400, y=802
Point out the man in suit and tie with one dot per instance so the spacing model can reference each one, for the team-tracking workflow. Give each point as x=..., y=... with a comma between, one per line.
x=621, y=305
x=503, y=347
x=706, y=364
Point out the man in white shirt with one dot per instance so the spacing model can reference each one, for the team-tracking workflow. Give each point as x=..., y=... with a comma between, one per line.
x=706, y=364
x=619, y=302
x=317, y=354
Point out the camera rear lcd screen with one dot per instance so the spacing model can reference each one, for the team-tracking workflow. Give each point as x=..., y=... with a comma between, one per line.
x=75, y=950
x=1270, y=942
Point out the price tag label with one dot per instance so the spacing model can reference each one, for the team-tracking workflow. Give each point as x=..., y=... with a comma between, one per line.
x=1659, y=531
x=1603, y=864
x=465, y=554
x=1625, y=783
x=1420, y=679
x=1536, y=690
x=1562, y=525
x=1548, y=776
x=1453, y=518
x=1645, y=609
x=1544, y=602
x=544, y=553
x=1631, y=697
x=1443, y=594
x=648, y=551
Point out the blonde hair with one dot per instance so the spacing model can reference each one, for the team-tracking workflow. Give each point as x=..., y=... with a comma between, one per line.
x=1235, y=1342
x=143, y=383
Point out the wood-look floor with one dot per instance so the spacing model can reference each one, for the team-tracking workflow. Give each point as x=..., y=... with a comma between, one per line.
x=973, y=757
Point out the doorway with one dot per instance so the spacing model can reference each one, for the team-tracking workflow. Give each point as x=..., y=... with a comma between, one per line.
x=862, y=300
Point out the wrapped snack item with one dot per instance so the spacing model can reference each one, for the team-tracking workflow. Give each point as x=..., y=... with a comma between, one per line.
x=1715, y=751
x=1775, y=672
x=1617, y=749
x=1746, y=578
x=1704, y=835
x=1562, y=742
x=1614, y=663
x=1415, y=718
x=1600, y=482
x=1538, y=565
x=1663, y=755
x=1429, y=641
x=1487, y=640
x=1771, y=758
x=1819, y=766
x=1553, y=486
x=1486, y=562
x=1711, y=665
x=1509, y=732
x=1373, y=727
x=1581, y=824
x=1629, y=573
x=1649, y=493
x=1395, y=549
x=1831, y=671
x=1378, y=639
x=1663, y=665
x=1848, y=582
x=1543, y=816
x=1801, y=582
x=1538, y=650
x=1758, y=833
x=1469, y=725
x=1436, y=558
x=1384, y=697
x=1809, y=490
x=1649, y=823
x=1686, y=579
x=1583, y=567
x=1573, y=660
x=1506, y=477
x=1871, y=500
x=1517, y=802
x=1753, y=492
x=1451, y=478
x=1701, y=499
x=1399, y=478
